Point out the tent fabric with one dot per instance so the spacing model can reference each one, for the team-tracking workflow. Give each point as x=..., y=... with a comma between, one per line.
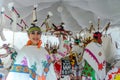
x=76, y=14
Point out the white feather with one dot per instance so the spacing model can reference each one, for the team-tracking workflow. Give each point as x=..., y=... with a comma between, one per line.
x=10, y=5
x=2, y=9
x=50, y=13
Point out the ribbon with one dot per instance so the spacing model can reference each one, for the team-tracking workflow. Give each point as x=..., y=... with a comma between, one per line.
x=9, y=18
x=20, y=26
x=16, y=12
x=22, y=21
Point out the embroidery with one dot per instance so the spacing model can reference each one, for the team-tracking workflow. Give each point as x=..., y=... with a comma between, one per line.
x=33, y=67
x=24, y=69
x=44, y=63
x=32, y=71
x=24, y=61
x=32, y=74
x=19, y=68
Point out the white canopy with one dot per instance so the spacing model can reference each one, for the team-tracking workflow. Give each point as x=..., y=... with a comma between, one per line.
x=76, y=14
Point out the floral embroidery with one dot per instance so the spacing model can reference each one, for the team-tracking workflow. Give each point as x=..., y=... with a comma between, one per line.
x=25, y=69
x=18, y=68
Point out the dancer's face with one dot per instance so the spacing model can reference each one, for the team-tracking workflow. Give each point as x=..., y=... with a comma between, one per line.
x=35, y=36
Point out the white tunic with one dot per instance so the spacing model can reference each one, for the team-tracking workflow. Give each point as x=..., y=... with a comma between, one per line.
x=34, y=59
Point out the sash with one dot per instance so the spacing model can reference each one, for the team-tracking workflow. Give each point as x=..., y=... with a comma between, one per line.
x=100, y=65
x=23, y=69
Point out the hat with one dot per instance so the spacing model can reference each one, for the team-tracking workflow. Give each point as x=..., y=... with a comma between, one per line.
x=34, y=28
